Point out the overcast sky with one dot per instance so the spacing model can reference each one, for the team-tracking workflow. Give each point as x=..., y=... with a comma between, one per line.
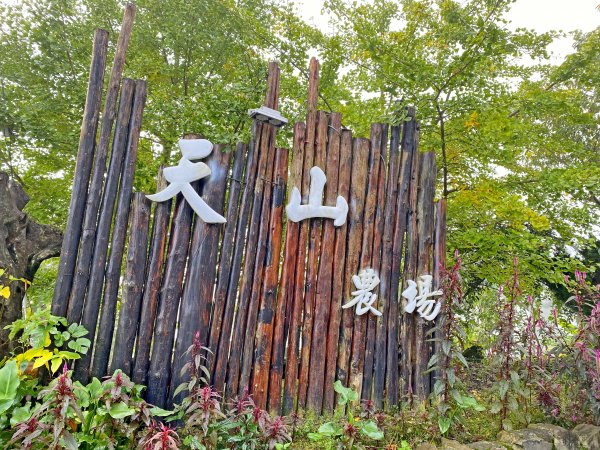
x=540, y=15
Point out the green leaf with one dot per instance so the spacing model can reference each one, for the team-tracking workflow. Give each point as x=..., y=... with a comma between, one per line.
x=120, y=411
x=370, y=429
x=444, y=424
x=21, y=414
x=9, y=383
x=329, y=429
x=346, y=394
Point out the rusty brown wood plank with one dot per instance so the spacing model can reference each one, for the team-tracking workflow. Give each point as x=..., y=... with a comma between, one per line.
x=339, y=278
x=196, y=300
x=264, y=333
x=227, y=251
x=372, y=320
x=425, y=230
x=312, y=269
x=385, y=272
x=283, y=314
x=290, y=390
x=366, y=255
x=264, y=139
x=323, y=290
x=356, y=217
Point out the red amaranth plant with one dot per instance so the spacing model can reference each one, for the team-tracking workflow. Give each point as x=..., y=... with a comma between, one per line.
x=160, y=437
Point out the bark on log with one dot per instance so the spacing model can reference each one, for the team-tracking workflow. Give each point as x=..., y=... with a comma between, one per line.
x=86, y=246
x=133, y=285
x=83, y=167
x=160, y=228
x=339, y=277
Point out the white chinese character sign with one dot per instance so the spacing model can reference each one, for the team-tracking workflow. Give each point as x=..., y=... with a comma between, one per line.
x=315, y=208
x=419, y=296
x=181, y=175
x=365, y=282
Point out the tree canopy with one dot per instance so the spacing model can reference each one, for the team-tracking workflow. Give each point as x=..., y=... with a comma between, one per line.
x=517, y=138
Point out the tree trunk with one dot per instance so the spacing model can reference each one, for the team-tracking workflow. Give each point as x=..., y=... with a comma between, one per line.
x=24, y=244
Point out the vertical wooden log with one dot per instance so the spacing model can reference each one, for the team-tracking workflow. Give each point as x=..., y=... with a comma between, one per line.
x=168, y=305
x=91, y=297
x=290, y=389
x=366, y=256
x=407, y=330
x=262, y=244
x=323, y=289
x=222, y=354
x=402, y=209
x=88, y=234
x=196, y=301
x=286, y=289
x=312, y=268
x=160, y=228
x=356, y=216
x=83, y=167
x=372, y=320
x=339, y=277
x=265, y=142
x=264, y=333
x=133, y=284
x=425, y=219
x=113, y=267
x=227, y=249
x=385, y=272
x=439, y=265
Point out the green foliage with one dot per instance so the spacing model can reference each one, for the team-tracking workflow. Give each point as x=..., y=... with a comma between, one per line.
x=351, y=432
x=42, y=339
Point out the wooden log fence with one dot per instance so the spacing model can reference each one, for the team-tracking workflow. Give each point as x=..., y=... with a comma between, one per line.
x=264, y=294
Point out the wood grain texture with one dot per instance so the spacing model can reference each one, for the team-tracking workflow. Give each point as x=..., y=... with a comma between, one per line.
x=266, y=316
x=410, y=262
x=339, y=277
x=385, y=272
x=323, y=289
x=159, y=373
x=133, y=285
x=113, y=267
x=366, y=255
x=285, y=296
x=92, y=206
x=246, y=202
x=356, y=216
x=156, y=259
x=95, y=286
x=196, y=300
x=312, y=270
x=227, y=250
x=372, y=320
x=83, y=167
x=425, y=226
